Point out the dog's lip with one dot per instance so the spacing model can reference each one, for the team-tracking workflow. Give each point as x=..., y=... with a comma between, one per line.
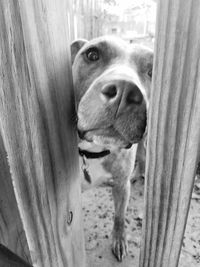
x=83, y=133
x=89, y=133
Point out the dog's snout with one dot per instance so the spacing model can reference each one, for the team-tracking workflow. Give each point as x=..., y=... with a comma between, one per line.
x=123, y=94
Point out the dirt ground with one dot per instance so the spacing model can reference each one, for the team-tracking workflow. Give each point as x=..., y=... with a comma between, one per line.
x=98, y=214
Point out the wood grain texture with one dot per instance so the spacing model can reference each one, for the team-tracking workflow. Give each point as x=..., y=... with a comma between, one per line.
x=37, y=122
x=87, y=19
x=11, y=229
x=174, y=132
x=9, y=259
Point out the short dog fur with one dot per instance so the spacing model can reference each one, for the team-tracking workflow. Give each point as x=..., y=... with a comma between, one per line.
x=112, y=82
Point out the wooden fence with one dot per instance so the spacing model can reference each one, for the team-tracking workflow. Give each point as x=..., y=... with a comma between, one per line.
x=40, y=207
x=174, y=132
x=37, y=122
x=86, y=19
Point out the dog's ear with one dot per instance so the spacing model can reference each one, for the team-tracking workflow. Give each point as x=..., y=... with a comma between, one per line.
x=76, y=46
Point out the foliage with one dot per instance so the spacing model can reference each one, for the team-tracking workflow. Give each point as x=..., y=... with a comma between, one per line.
x=110, y=2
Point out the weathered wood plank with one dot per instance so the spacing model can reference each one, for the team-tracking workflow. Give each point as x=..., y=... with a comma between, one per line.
x=37, y=122
x=9, y=259
x=174, y=132
x=11, y=229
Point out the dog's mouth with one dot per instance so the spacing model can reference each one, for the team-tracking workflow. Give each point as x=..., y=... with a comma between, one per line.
x=108, y=138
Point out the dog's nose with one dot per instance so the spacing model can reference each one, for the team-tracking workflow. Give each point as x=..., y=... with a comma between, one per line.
x=122, y=93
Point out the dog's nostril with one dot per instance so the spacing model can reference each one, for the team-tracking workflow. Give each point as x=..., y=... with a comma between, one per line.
x=110, y=91
x=134, y=96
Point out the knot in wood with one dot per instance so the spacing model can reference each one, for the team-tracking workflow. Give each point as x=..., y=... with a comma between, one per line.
x=69, y=217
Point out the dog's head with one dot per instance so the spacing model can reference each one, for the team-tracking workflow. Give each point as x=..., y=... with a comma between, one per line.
x=112, y=81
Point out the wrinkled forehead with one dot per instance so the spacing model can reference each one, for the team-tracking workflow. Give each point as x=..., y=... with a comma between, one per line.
x=116, y=49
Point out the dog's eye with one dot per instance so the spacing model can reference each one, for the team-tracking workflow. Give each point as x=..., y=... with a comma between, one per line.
x=150, y=73
x=92, y=54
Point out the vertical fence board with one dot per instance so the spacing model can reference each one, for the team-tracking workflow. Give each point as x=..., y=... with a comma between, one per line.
x=87, y=18
x=37, y=121
x=174, y=132
x=11, y=229
x=9, y=259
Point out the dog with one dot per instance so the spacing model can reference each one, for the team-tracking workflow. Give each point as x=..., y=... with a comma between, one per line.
x=112, y=83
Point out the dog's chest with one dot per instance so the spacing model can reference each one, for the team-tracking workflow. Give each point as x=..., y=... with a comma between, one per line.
x=98, y=175
x=118, y=165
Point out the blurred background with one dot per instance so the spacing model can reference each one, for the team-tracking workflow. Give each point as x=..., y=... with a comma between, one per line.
x=132, y=20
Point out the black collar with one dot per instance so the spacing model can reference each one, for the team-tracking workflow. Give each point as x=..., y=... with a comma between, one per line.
x=93, y=155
